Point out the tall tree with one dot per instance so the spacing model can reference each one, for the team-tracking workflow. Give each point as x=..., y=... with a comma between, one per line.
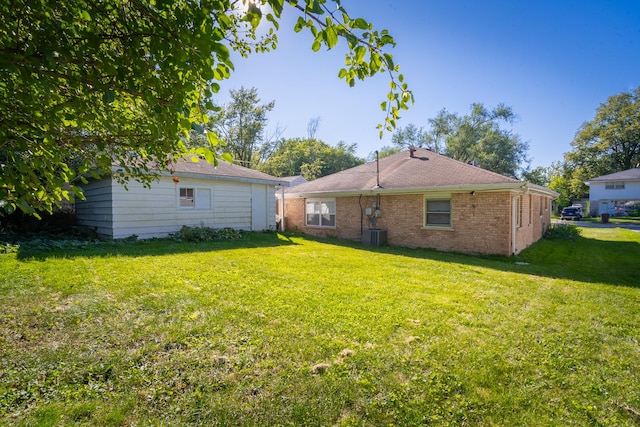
x=476, y=137
x=560, y=181
x=310, y=158
x=610, y=142
x=409, y=136
x=440, y=127
x=538, y=176
x=241, y=125
x=124, y=82
x=312, y=127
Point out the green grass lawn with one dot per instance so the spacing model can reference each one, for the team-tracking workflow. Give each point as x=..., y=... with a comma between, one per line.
x=286, y=330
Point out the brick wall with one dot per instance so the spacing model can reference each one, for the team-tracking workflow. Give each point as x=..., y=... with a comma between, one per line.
x=536, y=219
x=481, y=222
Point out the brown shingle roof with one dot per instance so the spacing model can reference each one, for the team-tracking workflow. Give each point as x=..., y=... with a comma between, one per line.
x=223, y=170
x=425, y=170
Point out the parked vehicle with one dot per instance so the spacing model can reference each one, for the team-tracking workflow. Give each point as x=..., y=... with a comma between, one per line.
x=580, y=209
x=571, y=213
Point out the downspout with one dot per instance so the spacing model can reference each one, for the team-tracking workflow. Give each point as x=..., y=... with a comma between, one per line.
x=282, y=227
x=361, y=214
x=514, y=213
x=377, y=169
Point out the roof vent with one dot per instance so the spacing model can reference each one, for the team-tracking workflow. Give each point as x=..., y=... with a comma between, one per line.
x=412, y=151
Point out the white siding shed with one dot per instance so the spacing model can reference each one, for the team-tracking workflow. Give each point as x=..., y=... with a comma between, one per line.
x=197, y=194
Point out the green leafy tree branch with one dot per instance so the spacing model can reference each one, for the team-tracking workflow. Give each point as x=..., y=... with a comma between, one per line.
x=115, y=87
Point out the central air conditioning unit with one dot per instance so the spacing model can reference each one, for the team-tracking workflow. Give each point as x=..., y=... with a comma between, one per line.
x=374, y=237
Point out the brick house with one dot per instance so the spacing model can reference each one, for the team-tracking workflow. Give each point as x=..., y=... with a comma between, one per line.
x=418, y=198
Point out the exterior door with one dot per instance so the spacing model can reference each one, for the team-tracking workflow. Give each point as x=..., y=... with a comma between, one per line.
x=259, y=207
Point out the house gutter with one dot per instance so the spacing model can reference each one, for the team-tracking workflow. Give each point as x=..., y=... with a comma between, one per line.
x=488, y=188
x=523, y=187
x=211, y=177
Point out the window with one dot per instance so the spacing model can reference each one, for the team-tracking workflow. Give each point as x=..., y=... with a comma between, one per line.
x=519, y=211
x=320, y=213
x=186, y=198
x=540, y=202
x=438, y=212
x=614, y=185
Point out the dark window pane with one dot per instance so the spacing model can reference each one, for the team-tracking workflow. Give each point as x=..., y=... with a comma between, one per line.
x=328, y=220
x=438, y=218
x=313, y=219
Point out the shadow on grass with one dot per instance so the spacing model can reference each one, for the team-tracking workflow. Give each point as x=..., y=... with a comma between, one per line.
x=45, y=249
x=581, y=259
x=590, y=260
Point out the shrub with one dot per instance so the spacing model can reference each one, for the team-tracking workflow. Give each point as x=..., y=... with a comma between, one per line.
x=562, y=232
x=203, y=234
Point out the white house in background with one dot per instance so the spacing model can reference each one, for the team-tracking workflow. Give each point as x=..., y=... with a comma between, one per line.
x=196, y=194
x=615, y=194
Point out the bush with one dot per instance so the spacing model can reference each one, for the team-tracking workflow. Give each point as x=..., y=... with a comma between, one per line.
x=563, y=232
x=59, y=222
x=635, y=211
x=204, y=234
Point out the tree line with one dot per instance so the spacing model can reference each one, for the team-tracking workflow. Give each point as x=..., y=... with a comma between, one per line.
x=241, y=125
x=479, y=138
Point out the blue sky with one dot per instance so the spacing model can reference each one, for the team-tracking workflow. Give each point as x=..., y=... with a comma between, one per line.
x=553, y=62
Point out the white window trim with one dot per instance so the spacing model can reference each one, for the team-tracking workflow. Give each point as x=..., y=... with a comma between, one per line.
x=428, y=197
x=180, y=206
x=614, y=185
x=335, y=216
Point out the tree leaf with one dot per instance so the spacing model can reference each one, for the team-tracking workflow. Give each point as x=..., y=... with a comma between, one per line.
x=227, y=157
x=212, y=138
x=273, y=21
x=331, y=37
x=360, y=24
x=359, y=52
x=316, y=45
x=107, y=96
x=300, y=24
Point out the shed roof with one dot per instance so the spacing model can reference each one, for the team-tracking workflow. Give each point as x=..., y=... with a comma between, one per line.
x=424, y=169
x=186, y=167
